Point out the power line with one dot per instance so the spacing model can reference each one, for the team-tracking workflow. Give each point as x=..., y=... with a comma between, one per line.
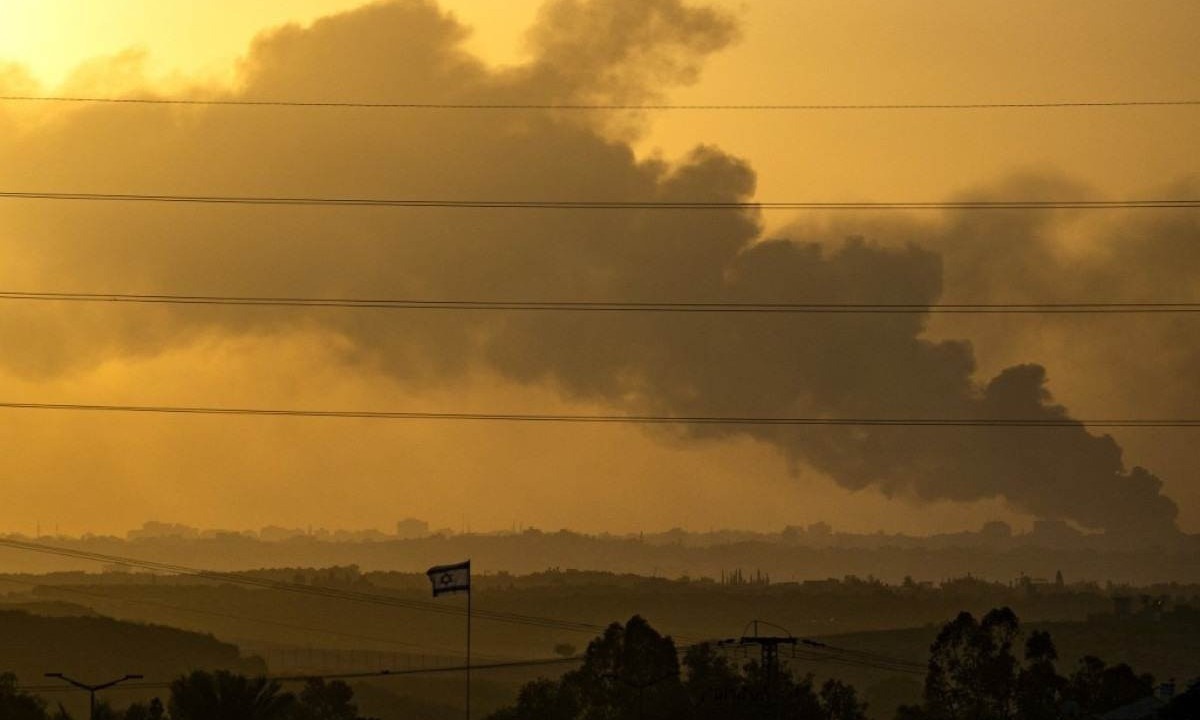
x=602, y=106
x=877, y=665
x=214, y=613
x=815, y=650
x=506, y=665
x=1161, y=203
x=515, y=664
x=836, y=654
x=982, y=422
x=314, y=590
x=606, y=306
x=503, y=665
x=827, y=654
x=862, y=654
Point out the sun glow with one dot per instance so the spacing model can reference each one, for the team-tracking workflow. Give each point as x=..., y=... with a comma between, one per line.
x=52, y=38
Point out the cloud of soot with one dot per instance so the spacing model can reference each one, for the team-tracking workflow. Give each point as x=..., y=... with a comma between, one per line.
x=693, y=364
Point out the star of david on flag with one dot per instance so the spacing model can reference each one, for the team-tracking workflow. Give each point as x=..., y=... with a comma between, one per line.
x=450, y=578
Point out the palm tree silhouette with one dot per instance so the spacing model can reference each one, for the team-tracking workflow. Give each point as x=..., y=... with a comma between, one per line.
x=223, y=695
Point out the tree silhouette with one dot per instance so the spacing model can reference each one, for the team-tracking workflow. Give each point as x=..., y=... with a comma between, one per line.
x=326, y=701
x=713, y=684
x=1039, y=686
x=17, y=705
x=223, y=695
x=138, y=711
x=632, y=672
x=104, y=711
x=839, y=701
x=974, y=676
x=544, y=700
x=972, y=669
x=1097, y=687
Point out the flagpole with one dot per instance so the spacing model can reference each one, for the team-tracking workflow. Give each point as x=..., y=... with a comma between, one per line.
x=454, y=579
x=469, y=593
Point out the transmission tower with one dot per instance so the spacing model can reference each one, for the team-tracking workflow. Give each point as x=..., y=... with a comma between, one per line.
x=768, y=646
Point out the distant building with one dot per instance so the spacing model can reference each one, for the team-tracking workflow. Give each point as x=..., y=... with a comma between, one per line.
x=412, y=529
x=1122, y=606
x=152, y=529
x=996, y=530
x=275, y=533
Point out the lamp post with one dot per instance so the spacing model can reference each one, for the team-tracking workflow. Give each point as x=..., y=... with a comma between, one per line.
x=92, y=688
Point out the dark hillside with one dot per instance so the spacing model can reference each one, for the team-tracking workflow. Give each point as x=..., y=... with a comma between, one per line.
x=93, y=648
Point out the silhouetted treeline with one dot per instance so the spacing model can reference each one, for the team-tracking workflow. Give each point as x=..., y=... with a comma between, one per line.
x=985, y=670
x=977, y=670
x=795, y=554
x=203, y=695
x=632, y=671
x=299, y=634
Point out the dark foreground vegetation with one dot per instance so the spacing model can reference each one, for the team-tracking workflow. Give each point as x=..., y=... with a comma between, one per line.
x=977, y=669
x=200, y=695
x=171, y=625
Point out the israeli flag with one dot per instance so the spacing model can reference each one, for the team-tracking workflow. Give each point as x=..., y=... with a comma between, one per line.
x=450, y=578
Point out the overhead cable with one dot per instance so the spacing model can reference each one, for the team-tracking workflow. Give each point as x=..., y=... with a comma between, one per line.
x=957, y=422
x=552, y=204
x=506, y=665
x=835, y=654
x=647, y=107
x=611, y=306
x=304, y=589
x=55, y=589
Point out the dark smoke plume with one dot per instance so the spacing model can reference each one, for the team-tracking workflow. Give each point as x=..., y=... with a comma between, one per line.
x=771, y=365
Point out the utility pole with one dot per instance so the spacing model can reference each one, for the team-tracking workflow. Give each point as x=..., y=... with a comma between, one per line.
x=769, y=647
x=92, y=688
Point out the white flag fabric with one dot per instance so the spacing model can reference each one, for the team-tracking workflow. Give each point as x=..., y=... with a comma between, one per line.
x=450, y=578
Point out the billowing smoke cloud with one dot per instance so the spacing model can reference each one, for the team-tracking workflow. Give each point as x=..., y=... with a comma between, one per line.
x=1117, y=365
x=696, y=364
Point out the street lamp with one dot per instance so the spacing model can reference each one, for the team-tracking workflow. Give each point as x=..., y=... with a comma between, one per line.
x=92, y=688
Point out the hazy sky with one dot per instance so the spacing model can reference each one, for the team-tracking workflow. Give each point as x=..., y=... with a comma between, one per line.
x=106, y=473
